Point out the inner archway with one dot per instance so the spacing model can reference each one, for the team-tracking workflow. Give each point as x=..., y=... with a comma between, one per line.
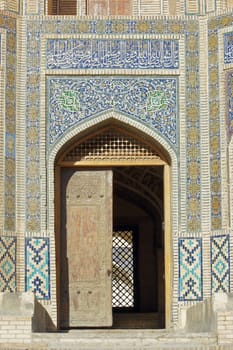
x=123, y=158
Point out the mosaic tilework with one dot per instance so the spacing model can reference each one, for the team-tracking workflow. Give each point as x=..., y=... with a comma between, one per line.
x=37, y=268
x=10, y=106
x=220, y=264
x=193, y=134
x=112, y=54
x=120, y=27
x=229, y=80
x=190, y=269
x=7, y=264
x=228, y=47
x=152, y=100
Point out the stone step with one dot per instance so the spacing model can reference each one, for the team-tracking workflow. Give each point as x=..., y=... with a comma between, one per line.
x=125, y=340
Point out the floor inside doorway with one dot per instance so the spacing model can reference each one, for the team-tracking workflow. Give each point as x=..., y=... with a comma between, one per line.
x=149, y=320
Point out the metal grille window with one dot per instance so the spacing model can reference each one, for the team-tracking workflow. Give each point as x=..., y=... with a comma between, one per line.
x=123, y=269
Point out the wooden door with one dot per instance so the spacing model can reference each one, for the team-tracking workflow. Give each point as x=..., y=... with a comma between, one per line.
x=86, y=291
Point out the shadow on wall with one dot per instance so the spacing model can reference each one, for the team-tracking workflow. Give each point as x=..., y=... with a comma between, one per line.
x=202, y=317
x=41, y=321
x=21, y=306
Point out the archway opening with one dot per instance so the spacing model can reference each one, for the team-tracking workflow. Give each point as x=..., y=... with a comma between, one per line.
x=131, y=173
x=138, y=247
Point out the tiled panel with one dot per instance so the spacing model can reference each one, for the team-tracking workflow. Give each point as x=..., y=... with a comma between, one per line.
x=152, y=100
x=220, y=264
x=37, y=267
x=112, y=54
x=228, y=47
x=190, y=269
x=7, y=264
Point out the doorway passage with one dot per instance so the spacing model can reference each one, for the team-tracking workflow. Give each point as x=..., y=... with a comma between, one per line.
x=138, y=220
x=136, y=271
x=113, y=179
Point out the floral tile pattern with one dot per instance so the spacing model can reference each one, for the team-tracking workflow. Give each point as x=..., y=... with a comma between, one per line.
x=152, y=100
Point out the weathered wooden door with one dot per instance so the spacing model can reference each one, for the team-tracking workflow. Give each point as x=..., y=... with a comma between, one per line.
x=88, y=259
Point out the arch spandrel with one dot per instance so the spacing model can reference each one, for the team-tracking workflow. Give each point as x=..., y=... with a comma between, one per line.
x=147, y=101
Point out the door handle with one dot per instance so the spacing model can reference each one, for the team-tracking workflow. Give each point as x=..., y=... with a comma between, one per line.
x=109, y=272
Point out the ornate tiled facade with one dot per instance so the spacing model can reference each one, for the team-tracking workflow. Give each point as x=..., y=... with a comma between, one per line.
x=74, y=72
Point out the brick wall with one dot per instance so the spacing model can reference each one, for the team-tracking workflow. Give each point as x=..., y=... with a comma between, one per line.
x=15, y=330
x=225, y=327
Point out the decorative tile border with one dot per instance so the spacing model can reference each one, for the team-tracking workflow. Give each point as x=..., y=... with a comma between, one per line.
x=190, y=269
x=9, y=24
x=151, y=100
x=193, y=181
x=220, y=263
x=112, y=54
x=37, y=267
x=7, y=264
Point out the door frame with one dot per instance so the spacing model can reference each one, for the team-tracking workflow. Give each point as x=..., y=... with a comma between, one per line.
x=167, y=222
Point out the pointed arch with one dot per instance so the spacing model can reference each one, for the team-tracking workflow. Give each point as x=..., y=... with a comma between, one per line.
x=160, y=151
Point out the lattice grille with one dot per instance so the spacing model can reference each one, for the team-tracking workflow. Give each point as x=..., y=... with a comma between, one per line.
x=111, y=145
x=123, y=269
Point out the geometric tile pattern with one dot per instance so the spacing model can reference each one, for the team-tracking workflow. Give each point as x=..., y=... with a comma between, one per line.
x=220, y=263
x=37, y=260
x=228, y=47
x=190, y=269
x=112, y=54
x=152, y=100
x=7, y=264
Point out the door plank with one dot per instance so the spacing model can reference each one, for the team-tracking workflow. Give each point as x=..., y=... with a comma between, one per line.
x=89, y=248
